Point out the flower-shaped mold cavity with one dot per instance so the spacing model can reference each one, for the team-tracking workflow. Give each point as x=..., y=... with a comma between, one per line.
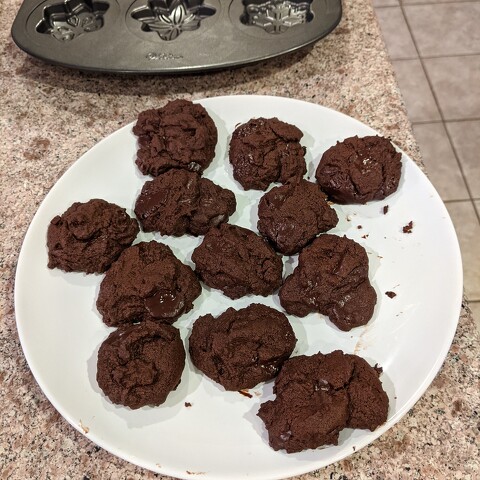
x=72, y=18
x=170, y=18
x=276, y=16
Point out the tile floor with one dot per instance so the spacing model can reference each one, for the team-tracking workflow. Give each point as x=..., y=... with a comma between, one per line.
x=434, y=46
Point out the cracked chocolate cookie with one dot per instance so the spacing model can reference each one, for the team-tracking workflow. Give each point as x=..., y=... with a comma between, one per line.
x=147, y=282
x=140, y=364
x=318, y=396
x=266, y=150
x=179, y=135
x=240, y=349
x=178, y=202
x=331, y=278
x=238, y=262
x=291, y=216
x=359, y=170
x=88, y=237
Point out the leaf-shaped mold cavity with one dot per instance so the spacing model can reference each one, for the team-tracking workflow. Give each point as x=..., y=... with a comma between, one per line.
x=68, y=20
x=170, y=18
x=276, y=16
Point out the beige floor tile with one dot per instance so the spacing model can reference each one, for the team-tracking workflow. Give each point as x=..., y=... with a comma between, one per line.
x=445, y=29
x=395, y=33
x=468, y=232
x=421, y=106
x=466, y=141
x=439, y=158
x=456, y=84
x=475, y=307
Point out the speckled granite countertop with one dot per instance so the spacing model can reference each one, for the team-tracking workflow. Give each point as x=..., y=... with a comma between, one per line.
x=50, y=116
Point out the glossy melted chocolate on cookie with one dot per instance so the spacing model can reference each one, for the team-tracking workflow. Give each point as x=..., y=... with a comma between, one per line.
x=165, y=304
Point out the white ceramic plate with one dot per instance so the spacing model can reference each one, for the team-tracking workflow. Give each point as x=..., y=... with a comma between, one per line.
x=220, y=435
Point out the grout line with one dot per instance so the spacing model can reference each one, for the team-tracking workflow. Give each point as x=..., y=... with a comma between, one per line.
x=426, y=2
x=425, y=122
x=433, y=57
x=449, y=120
x=452, y=120
x=457, y=158
x=403, y=59
x=460, y=200
x=473, y=119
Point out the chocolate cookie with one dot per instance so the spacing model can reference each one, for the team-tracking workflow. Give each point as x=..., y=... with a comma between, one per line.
x=242, y=348
x=238, y=262
x=89, y=237
x=359, y=170
x=291, y=216
x=317, y=396
x=178, y=202
x=147, y=282
x=264, y=150
x=179, y=135
x=140, y=364
x=331, y=278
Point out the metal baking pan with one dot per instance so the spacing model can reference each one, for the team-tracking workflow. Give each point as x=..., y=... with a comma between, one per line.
x=169, y=36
